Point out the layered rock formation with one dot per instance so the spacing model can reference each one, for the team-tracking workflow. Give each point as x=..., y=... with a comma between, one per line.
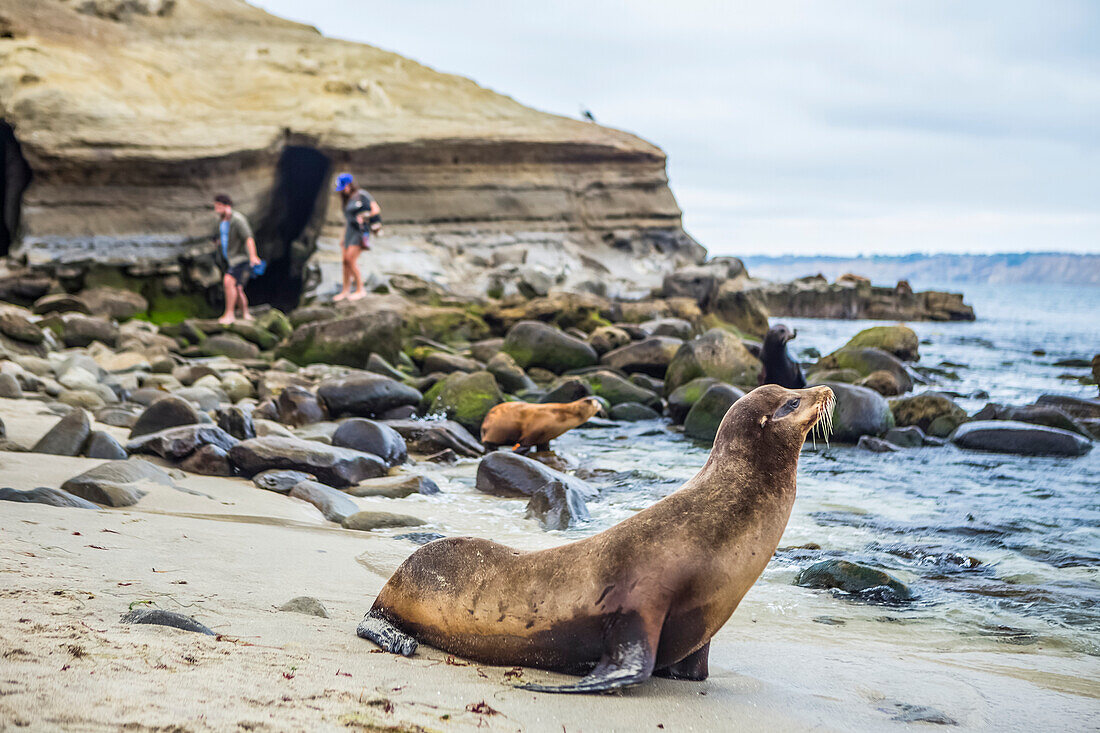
x=120, y=120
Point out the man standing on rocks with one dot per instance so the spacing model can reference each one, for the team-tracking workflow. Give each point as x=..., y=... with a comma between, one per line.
x=236, y=256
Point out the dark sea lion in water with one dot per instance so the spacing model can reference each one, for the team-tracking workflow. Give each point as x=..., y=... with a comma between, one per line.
x=643, y=597
x=779, y=367
x=523, y=424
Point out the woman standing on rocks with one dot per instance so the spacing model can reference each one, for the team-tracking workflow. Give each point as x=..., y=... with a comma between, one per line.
x=360, y=209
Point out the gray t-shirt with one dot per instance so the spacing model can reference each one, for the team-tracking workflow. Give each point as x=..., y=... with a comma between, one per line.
x=359, y=203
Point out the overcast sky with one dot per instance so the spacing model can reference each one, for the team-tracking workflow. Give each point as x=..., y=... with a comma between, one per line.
x=811, y=127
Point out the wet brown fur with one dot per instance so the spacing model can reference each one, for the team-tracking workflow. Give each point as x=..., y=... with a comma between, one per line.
x=525, y=424
x=676, y=570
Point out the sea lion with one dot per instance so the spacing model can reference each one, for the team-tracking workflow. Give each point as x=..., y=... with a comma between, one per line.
x=779, y=367
x=522, y=424
x=643, y=597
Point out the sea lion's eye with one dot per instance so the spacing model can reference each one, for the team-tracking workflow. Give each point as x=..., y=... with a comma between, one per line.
x=793, y=404
x=788, y=407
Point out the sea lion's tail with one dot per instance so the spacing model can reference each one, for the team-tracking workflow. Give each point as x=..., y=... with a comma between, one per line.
x=375, y=628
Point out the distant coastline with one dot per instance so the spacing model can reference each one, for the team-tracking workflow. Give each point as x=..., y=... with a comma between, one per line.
x=1047, y=268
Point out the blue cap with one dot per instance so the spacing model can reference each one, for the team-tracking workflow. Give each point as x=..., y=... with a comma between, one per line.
x=342, y=180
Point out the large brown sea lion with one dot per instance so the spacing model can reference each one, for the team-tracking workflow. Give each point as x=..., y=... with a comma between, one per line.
x=643, y=597
x=523, y=424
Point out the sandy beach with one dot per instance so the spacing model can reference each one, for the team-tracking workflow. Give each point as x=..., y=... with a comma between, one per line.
x=232, y=553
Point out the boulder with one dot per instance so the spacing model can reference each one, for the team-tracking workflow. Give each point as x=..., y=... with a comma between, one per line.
x=231, y=345
x=676, y=328
x=1077, y=407
x=557, y=505
x=168, y=412
x=158, y=617
x=58, y=303
x=633, y=412
x=428, y=437
x=567, y=389
x=208, y=460
x=608, y=338
x=1048, y=415
x=824, y=376
x=68, y=436
x=115, y=303
x=441, y=361
x=536, y=344
x=705, y=416
x=16, y=326
x=373, y=437
x=742, y=308
x=79, y=331
x=394, y=487
x=348, y=341
x=332, y=465
x=367, y=395
x=104, y=445
x=883, y=382
x=901, y=341
x=876, y=445
x=616, y=390
x=305, y=605
x=179, y=442
x=236, y=386
x=334, y=505
x=46, y=495
x=864, y=361
x=508, y=374
x=365, y=521
x=718, y=354
x=859, y=411
x=932, y=412
x=298, y=406
x=378, y=365
x=859, y=580
x=237, y=422
x=281, y=481
x=1006, y=436
x=486, y=349
x=9, y=387
x=464, y=398
x=686, y=395
x=502, y=473
x=906, y=437
x=117, y=483
x=651, y=356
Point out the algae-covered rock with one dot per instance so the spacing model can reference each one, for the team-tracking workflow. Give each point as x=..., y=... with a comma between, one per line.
x=859, y=580
x=901, y=341
x=617, y=390
x=509, y=375
x=859, y=411
x=932, y=412
x=348, y=341
x=686, y=395
x=465, y=398
x=274, y=321
x=705, y=416
x=608, y=338
x=536, y=344
x=742, y=308
x=718, y=354
x=651, y=356
x=865, y=361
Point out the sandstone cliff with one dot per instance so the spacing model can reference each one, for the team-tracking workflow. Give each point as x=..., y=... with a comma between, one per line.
x=119, y=120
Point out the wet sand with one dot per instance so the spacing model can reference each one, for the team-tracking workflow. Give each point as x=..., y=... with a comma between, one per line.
x=229, y=559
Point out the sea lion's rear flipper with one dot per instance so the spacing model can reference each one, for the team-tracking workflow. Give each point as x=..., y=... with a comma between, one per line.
x=694, y=666
x=392, y=639
x=628, y=660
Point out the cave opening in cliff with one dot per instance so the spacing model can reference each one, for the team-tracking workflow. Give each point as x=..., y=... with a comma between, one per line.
x=15, y=176
x=287, y=228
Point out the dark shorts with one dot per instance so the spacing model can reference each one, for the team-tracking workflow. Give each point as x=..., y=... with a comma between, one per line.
x=240, y=273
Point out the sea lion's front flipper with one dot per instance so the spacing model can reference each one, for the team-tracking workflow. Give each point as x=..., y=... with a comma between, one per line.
x=694, y=666
x=628, y=660
x=375, y=628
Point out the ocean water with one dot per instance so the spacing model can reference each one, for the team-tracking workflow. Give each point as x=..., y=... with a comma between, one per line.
x=1000, y=551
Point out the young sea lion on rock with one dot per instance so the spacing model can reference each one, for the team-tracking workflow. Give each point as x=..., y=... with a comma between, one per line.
x=643, y=597
x=779, y=367
x=522, y=424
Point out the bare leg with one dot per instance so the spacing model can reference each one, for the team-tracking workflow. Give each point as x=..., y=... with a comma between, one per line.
x=243, y=300
x=346, y=274
x=230, y=286
x=356, y=276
